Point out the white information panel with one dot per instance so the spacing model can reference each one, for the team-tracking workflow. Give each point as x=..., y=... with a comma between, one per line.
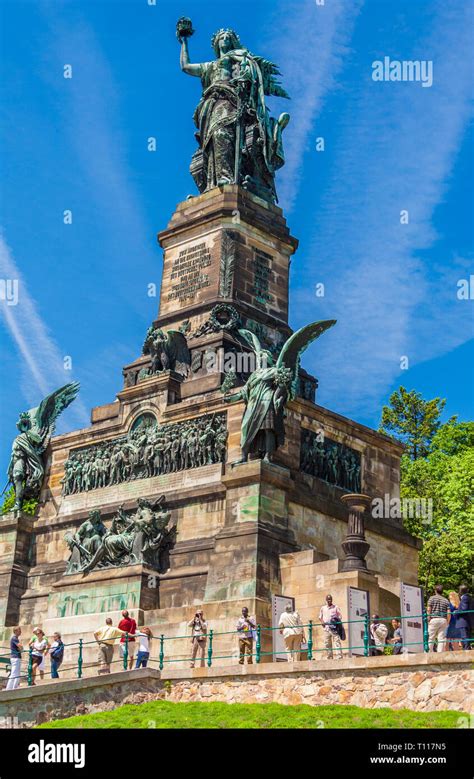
x=358, y=605
x=279, y=602
x=411, y=600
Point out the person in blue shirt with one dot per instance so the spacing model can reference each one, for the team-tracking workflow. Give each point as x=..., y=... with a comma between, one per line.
x=465, y=617
x=56, y=654
x=397, y=639
x=452, y=634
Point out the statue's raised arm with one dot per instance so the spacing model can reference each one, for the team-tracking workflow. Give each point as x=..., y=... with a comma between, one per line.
x=184, y=30
x=239, y=142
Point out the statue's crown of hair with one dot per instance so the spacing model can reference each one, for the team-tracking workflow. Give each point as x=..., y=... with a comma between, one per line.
x=220, y=32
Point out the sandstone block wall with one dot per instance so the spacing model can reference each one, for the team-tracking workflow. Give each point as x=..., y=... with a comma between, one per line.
x=416, y=682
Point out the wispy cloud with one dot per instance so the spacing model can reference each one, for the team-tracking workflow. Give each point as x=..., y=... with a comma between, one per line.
x=397, y=151
x=41, y=354
x=312, y=43
x=89, y=117
x=93, y=121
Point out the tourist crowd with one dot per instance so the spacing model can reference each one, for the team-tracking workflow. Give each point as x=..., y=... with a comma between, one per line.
x=450, y=626
x=39, y=647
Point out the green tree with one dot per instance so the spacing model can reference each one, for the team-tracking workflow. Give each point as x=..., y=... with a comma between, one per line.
x=412, y=420
x=453, y=437
x=29, y=506
x=446, y=478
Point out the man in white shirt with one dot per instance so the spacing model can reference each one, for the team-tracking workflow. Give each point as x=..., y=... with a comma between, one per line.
x=292, y=630
x=378, y=636
x=144, y=641
x=40, y=648
x=329, y=615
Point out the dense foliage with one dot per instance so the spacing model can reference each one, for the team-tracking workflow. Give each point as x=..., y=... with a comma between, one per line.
x=29, y=506
x=438, y=466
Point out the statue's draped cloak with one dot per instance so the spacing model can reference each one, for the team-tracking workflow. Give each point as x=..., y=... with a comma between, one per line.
x=259, y=395
x=218, y=106
x=25, y=450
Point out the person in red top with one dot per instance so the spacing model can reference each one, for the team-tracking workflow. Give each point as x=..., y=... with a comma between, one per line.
x=128, y=624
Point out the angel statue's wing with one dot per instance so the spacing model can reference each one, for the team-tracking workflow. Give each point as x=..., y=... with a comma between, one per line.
x=271, y=86
x=294, y=347
x=178, y=350
x=251, y=339
x=46, y=414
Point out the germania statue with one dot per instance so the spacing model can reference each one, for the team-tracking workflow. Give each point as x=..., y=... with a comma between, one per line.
x=36, y=426
x=239, y=142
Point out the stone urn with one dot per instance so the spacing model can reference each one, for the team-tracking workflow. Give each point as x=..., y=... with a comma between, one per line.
x=355, y=545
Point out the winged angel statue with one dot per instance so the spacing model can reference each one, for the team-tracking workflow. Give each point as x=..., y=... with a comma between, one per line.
x=239, y=142
x=36, y=426
x=268, y=389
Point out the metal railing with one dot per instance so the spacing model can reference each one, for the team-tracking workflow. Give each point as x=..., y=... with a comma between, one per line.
x=208, y=656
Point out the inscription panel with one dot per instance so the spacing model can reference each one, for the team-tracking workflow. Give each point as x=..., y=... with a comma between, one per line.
x=262, y=267
x=188, y=273
x=141, y=488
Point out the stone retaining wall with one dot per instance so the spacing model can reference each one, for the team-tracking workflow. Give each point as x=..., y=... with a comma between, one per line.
x=419, y=682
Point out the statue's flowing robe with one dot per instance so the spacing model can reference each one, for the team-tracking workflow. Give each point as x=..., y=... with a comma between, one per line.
x=216, y=117
x=260, y=413
x=26, y=461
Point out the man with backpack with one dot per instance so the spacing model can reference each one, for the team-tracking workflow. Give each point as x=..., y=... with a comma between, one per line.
x=330, y=617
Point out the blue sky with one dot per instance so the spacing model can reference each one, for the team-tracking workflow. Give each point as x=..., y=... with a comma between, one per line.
x=81, y=144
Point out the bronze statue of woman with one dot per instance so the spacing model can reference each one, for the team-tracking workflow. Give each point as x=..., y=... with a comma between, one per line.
x=239, y=142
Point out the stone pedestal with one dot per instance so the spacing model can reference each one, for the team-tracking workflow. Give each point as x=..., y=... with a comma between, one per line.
x=226, y=245
x=16, y=555
x=244, y=532
x=245, y=563
x=355, y=545
x=246, y=551
x=104, y=590
x=308, y=579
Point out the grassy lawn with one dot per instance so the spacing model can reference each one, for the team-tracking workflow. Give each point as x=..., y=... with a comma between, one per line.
x=164, y=714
